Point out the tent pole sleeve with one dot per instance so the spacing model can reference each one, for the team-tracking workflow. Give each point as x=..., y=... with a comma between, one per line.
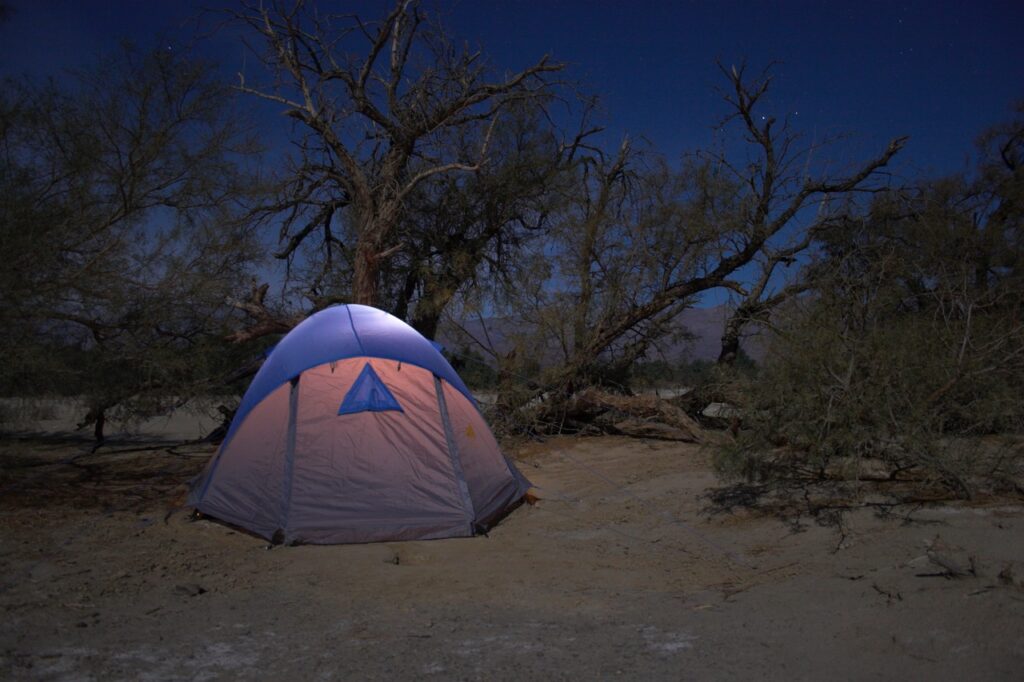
x=289, y=454
x=208, y=480
x=453, y=452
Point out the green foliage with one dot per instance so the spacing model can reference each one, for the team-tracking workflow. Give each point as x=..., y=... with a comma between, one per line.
x=472, y=368
x=120, y=233
x=692, y=374
x=910, y=351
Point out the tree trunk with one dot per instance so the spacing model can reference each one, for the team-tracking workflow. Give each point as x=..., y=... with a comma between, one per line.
x=437, y=294
x=426, y=321
x=364, y=276
x=412, y=280
x=730, y=341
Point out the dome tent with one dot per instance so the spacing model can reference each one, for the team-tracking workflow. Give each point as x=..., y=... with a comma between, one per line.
x=356, y=429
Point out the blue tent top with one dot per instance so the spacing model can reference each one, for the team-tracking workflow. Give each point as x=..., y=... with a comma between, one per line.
x=337, y=333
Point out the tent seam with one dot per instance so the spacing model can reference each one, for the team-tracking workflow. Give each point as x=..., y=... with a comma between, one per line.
x=453, y=454
x=352, y=323
x=289, y=455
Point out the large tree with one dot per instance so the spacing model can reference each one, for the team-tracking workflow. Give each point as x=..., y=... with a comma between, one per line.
x=382, y=108
x=120, y=197
x=637, y=241
x=469, y=231
x=723, y=220
x=911, y=346
x=782, y=196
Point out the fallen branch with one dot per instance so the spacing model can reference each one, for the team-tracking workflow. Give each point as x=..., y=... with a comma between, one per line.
x=637, y=416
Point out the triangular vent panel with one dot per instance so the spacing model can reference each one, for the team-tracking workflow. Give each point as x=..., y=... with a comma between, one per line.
x=368, y=394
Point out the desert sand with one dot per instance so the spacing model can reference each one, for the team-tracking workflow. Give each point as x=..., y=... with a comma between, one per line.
x=617, y=572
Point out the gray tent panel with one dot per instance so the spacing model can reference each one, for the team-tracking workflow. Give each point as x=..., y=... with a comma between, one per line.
x=242, y=484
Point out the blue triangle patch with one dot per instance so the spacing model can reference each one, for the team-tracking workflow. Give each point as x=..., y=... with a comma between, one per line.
x=368, y=394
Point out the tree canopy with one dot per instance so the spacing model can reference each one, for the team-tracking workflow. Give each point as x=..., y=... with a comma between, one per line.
x=152, y=251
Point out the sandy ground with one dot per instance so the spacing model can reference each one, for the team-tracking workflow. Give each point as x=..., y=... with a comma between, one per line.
x=616, y=573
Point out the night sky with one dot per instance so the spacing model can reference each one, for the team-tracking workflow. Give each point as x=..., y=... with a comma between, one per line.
x=937, y=71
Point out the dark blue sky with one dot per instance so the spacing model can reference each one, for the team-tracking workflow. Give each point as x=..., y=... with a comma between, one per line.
x=937, y=71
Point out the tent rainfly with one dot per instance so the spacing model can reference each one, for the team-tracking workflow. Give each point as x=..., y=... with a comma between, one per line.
x=356, y=429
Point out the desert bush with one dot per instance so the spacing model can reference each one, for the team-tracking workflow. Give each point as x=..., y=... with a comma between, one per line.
x=910, y=392
x=907, y=357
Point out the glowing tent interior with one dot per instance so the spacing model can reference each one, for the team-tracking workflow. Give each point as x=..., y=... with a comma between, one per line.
x=356, y=429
